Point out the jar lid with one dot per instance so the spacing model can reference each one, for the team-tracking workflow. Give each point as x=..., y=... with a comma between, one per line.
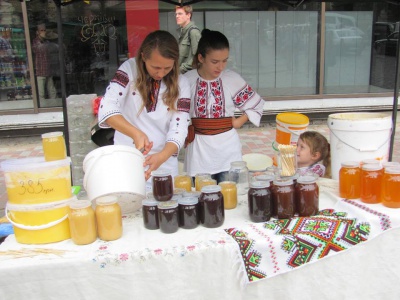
x=393, y=170
x=79, y=204
x=388, y=164
x=161, y=173
x=188, y=201
x=282, y=182
x=168, y=204
x=372, y=167
x=179, y=191
x=192, y=194
x=350, y=164
x=211, y=189
x=307, y=179
x=106, y=200
x=176, y=197
x=264, y=178
x=149, y=202
x=239, y=163
x=259, y=184
x=52, y=134
x=203, y=174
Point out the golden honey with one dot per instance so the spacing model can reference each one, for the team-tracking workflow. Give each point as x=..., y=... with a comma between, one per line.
x=391, y=187
x=54, y=146
x=82, y=222
x=108, y=218
x=183, y=182
x=229, y=191
x=350, y=180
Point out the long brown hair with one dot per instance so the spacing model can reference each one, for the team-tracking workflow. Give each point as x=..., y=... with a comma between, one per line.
x=167, y=46
x=318, y=143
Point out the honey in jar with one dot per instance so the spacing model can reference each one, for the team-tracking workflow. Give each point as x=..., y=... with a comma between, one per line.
x=211, y=206
x=350, y=180
x=198, y=177
x=183, y=181
x=108, y=218
x=206, y=181
x=188, y=212
x=283, y=199
x=54, y=147
x=82, y=222
x=150, y=213
x=259, y=201
x=163, y=188
x=371, y=183
x=229, y=191
x=391, y=187
x=307, y=196
x=168, y=216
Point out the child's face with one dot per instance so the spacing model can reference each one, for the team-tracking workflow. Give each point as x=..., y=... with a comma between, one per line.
x=304, y=156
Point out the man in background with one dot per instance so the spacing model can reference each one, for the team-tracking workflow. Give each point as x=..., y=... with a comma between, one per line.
x=41, y=49
x=189, y=37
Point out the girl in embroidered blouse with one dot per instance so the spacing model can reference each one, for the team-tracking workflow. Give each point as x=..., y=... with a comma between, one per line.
x=216, y=93
x=148, y=101
x=313, y=154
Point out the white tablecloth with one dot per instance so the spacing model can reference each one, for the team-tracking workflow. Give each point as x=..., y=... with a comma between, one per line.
x=200, y=263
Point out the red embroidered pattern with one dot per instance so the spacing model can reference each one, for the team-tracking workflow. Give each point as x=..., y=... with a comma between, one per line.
x=121, y=78
x=217, y=109
x=183, y=105
x=243, y=95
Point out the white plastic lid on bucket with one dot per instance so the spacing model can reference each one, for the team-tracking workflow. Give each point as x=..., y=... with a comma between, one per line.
x=36, y=164
x=116, y=170
x=358, y=136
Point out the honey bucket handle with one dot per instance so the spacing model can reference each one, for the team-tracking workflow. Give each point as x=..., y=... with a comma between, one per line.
x=35, y=227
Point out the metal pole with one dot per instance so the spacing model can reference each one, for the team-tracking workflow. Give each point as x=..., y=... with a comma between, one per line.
x=396, y=95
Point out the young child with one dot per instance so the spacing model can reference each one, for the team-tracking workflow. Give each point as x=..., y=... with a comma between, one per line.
x=313, y=154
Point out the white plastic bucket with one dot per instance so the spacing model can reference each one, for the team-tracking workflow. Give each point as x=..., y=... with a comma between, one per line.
x=357, y=136
x=116, y=170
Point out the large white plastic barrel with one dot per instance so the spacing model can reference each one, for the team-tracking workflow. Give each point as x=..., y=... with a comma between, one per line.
x=357, y=136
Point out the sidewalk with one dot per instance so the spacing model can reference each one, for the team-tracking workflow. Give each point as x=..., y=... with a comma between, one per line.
x=254, y=140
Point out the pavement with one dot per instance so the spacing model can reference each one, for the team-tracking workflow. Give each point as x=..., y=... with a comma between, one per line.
x=254, y=140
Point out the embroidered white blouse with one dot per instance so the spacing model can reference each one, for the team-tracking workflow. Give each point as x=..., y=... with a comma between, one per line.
x=216, y=99
x=159, y=123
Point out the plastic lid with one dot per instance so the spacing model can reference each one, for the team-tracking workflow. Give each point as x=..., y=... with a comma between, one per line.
x=79, y=204
x=372, y=167
x=176, y=197
x=150, y=202
x=264, y=178
x=393, y=170
x=192, y=194
x=168, y=204
x=281, y=182
x=370, y=161
x=293, y=118
x=161, y=173
x=307, y=179
x=52, y=134
x=388, y=164
x=211, y=189
x=179, y=191
x=350, y=164
x=188, y=201
x=106, y=200
x=259, y=184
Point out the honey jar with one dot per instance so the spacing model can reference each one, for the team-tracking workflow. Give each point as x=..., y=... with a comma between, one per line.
x=283, y=199
x=183, y=181
x=229, y=191
x=108, y=218
x=211, y=206
x=391, y=187
x=350, y=180
x=259, y=201
x=82, y=222
x=163, y=188
x=307, y=196
x=168, y=216
x=371, y=183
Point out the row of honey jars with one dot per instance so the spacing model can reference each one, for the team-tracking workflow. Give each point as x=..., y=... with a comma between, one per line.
x=372, y=182
x=86, y=224
x=283, y=199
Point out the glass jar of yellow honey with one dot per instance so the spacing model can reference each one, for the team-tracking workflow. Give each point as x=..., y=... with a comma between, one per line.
x=108, y=218
x=183, y=181
x=82, y=222
x=54, y=147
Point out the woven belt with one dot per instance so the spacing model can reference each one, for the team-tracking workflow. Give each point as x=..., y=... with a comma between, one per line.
x=208, y=127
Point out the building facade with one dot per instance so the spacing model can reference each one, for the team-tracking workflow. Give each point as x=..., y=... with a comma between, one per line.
x=304, y=56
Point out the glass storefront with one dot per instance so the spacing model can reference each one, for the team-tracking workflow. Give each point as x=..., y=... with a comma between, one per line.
x=314, y=50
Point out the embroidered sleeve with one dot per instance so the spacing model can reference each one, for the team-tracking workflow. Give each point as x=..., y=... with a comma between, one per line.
x=116, y=93
x=180, y=119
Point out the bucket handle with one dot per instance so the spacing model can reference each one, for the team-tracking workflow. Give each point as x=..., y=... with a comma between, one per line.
x=359, y=149
x=34, y=227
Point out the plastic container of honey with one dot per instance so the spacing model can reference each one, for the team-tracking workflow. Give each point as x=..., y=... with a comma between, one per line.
x=82, y=222
x=350, y=180
x=391, y=187
x=108, y=218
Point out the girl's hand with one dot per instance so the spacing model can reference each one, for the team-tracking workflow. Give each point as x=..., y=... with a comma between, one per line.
x=142, y=142
x=153, y=161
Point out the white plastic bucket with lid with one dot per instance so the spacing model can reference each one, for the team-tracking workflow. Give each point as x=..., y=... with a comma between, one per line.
x=357, y=136
x=116, y=170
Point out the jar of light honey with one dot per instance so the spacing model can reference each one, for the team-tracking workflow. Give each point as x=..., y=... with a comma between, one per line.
x=229, y=191
x=183, y=181
x=371, y=183
x=54, y=147
x=82, y=222
x=391, y=187
x=206, y=181
x=350, y=180
x=108, y=218
x=198, y=177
